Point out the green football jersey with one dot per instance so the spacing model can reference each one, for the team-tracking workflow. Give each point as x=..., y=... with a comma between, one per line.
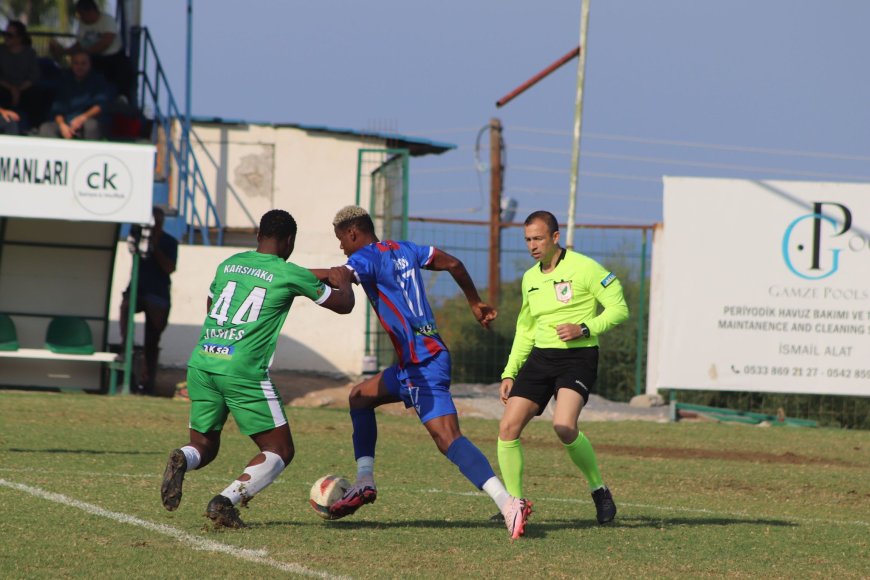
x=251, y=294
x=570, y=293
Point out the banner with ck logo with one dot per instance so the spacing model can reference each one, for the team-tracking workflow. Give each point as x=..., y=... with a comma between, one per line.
x=76, y=180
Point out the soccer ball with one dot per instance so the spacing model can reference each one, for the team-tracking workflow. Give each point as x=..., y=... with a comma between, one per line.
x=326, y=491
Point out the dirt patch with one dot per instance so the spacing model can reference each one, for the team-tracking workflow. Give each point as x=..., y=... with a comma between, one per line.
x=300, y=389
x=294, y=387
x=787, y=458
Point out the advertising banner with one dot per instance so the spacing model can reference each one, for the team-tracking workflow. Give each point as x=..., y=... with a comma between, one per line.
x=76, y=180
x=763, y=286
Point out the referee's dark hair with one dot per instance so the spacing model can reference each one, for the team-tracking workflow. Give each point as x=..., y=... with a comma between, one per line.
x=277, y=224
x=546, y=217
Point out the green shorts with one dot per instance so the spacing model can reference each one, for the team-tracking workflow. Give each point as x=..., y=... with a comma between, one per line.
x=256, y=405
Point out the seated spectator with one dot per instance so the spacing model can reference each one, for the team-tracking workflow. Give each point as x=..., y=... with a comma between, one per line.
x=97, y=34
x=8, y=122
x=79, y=107
x=19, y=70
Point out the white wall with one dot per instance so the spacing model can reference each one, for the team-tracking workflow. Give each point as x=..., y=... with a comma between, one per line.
x=250, y=169
x=313, y=338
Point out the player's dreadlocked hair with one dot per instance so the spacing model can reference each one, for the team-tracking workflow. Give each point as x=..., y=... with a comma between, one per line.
x=277, y=224
x=546, y=217
x=354, y=215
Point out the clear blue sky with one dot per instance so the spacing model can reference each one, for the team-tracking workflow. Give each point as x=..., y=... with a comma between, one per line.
x=760, y=89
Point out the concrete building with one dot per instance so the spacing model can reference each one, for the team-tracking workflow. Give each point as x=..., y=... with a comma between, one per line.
x=250, y=168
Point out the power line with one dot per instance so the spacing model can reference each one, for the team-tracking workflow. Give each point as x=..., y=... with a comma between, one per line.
x=442, y=131
x=535, y=191
x=416, y=191
x=614, y=196
x=539, y=169
x=704, y=164
x=698, y=145
x=464, y=168
x=619, y=219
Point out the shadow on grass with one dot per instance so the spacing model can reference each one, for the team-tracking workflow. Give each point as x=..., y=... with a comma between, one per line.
x=539, y=529
x=383, y=525
x=650, y=522
x=82, y=451
x=535, y=529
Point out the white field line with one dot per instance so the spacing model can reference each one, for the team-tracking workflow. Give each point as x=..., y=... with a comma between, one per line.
x=195, y=542
x=288, y=480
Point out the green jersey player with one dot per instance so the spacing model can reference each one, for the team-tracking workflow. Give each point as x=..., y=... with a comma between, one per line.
x=228, y=371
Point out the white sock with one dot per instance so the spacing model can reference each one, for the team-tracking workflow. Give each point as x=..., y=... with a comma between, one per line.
x=192, y=456
x=261, y=475
x=365, y=469
x=496, y=490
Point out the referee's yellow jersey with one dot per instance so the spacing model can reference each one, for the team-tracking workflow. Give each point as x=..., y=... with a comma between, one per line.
x=568, y=294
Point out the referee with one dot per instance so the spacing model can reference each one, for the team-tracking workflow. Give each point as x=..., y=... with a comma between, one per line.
x=555, y=353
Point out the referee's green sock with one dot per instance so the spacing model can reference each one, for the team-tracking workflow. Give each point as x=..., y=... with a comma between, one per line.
x=583, y=456
x=510, y=463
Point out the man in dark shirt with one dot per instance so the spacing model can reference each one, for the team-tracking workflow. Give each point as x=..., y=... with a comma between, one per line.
x=79, y=108
x=9, y=122
x=152, y=297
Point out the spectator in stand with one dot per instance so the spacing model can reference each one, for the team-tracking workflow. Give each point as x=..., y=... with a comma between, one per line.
x=79, y=107
x=19, y=70
x=8, y=122
x=98, y=35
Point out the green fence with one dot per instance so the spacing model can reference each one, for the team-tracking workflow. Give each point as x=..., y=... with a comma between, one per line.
x=479, y=356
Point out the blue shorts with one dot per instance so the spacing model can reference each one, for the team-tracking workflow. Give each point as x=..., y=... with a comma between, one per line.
x=425, y=387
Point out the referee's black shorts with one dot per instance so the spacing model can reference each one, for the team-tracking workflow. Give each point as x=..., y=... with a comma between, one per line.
x=549, y=369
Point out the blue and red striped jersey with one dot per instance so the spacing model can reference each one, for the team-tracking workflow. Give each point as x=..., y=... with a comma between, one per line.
x=390, y=273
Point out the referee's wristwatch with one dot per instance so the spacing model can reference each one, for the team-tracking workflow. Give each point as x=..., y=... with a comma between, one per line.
x=584, y=331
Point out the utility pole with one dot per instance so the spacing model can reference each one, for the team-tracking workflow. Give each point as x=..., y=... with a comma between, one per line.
x=496, y=174
x=578, y=124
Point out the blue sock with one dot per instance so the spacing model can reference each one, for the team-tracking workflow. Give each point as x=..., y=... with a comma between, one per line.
x=471, y=461
x=365, y=432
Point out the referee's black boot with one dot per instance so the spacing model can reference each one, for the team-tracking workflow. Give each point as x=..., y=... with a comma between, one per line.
x=605, y=508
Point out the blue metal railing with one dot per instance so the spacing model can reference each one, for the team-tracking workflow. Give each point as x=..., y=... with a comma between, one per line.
x=154, y=97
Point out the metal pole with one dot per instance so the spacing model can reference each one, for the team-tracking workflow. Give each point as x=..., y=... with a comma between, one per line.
x=133, y=296
x=641, y=318
x=359, y=167
x=578, y=124
x=495, y=190
x=535, y=79
x=189, y=68
x=406, y=187
x=185, y=144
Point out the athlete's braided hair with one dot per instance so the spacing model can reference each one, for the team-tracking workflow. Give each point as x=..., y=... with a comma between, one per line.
x=277, y=224
x=354, y=215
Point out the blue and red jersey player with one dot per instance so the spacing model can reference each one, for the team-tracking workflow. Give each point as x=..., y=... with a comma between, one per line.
x=390, y=273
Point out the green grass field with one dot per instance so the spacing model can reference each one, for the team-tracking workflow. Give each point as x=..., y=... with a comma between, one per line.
x=80, y=474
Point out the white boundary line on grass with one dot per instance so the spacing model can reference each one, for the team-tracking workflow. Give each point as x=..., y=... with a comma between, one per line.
x=477, y=493
x=195, y=542
x=681, y=509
